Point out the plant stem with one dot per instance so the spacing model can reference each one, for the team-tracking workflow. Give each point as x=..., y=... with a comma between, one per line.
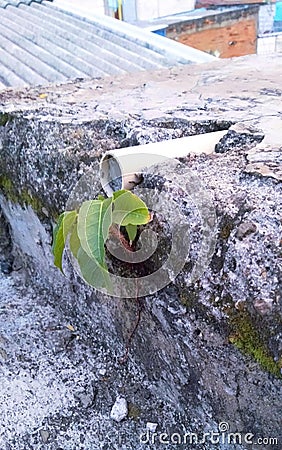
x=139, y=305
x=116, y=233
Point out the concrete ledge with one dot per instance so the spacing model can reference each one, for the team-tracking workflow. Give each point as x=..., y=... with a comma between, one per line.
x=204, y=353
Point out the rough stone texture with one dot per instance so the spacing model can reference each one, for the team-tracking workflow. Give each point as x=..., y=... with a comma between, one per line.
x=204, y=353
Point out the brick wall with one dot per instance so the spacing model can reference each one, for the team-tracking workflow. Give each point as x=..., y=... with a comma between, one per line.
x=224, y=36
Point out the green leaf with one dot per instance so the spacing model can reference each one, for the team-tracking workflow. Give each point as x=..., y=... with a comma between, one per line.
x=117, y=194
x=60, y=234
x=92, y=272
x=74, y=241
x=131, y=231
x=129, y=209
x=94, y=221
x=100, y=197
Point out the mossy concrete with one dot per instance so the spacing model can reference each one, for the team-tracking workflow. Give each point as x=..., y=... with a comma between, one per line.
x=246, y=337
x=205, y=352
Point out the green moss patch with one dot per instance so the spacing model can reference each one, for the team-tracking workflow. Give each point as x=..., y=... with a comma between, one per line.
x=133, y=411
x=23, y=197
x=4, y=118
x=246, y=337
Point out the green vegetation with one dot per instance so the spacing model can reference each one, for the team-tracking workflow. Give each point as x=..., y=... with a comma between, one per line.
x=247, y=339
x=244, y=333
x=4, y=118
x=88, y=230
x=22, y=197
x=133, y=411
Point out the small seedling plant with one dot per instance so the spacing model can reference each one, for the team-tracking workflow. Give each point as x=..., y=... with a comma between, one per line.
x=87, y=229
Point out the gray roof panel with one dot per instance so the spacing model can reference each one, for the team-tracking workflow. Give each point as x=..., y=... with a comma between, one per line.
x=26, y=58
x=15, y=65
x=5, y=3
x=119, y=49
x=8, y=77
x=59, y=46
x=20, y=36
x=77, y=36
x=40, y=43
x=175, y=52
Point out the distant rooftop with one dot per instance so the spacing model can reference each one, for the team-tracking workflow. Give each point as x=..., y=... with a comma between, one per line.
x=189, y=16
x=40, y=43
x=216, y=3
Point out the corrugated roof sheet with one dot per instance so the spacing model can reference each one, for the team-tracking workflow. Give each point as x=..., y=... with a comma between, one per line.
x=40, y=43
x=5, y=3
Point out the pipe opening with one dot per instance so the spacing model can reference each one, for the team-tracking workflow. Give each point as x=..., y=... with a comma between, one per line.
x=110, y=174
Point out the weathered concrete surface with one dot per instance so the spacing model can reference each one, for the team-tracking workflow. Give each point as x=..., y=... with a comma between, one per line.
x=61, y=341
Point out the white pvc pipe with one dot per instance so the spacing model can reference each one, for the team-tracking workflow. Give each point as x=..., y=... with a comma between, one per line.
x=121, y=168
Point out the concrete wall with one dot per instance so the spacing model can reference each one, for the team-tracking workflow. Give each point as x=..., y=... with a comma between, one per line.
x=266, y=18
x=278, y=44
x=95, y=6
x=223, y=35
x=269, y=37
x=134, y=9
x=151, y=9
x=271, y=43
